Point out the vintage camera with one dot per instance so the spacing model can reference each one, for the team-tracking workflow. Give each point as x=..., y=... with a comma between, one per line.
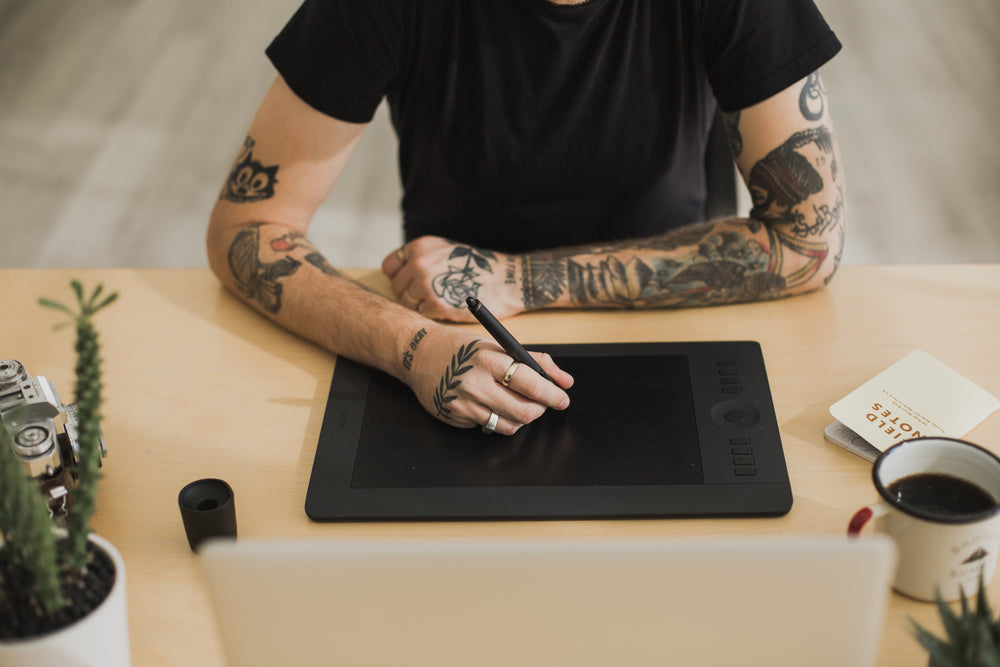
x=43, y=432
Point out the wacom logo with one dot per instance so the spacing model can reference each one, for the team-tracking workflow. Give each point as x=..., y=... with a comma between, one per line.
x=342, y=419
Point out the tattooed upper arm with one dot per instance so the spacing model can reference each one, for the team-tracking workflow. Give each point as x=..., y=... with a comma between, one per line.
x=249, y=181
x=795, y=183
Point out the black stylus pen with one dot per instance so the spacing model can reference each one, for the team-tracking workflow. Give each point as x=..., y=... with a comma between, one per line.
x=503, y=337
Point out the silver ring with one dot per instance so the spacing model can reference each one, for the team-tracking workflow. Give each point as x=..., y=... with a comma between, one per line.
x=491, y=424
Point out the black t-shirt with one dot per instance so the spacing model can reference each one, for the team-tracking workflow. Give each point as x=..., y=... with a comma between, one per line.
x=523, y=124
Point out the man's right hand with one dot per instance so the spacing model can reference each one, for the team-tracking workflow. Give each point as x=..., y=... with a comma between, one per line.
x=457, y=376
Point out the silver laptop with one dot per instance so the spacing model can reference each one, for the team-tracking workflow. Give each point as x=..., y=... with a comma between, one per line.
x=550, y=602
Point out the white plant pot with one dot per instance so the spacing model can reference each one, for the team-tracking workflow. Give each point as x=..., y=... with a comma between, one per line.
x=99, y=639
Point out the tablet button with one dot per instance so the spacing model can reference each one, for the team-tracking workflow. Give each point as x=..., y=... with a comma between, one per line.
x=735, y=413
x=741, y=416
x=729, y=380
x=735, y=416
x=746, y=471
x=739, y=451
x=728, y=371
x=730, y=390
x=743, y=460
x=740, y=440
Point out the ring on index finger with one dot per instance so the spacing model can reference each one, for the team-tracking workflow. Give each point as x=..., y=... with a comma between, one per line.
x=509, y=375
x=400, y=256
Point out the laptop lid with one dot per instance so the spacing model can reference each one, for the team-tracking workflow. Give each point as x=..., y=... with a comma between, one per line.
x=551, y=601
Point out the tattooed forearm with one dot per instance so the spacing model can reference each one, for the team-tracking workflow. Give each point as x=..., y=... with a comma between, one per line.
x=812, y=100
x=461, y=280
x=414, y=344
x=320, y=263
x=258, y=280
x=448, y=384
x=293, y=241
x=543, y=280
x=249, y=181
x=255, y=279
x=725, y=267
x=731, y=121
x=794, y=231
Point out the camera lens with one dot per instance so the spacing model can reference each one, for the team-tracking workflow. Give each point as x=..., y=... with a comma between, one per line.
x=33, y=441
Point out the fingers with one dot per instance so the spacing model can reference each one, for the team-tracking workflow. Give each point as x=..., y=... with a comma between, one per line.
x=482, y=393
x=561, y=377
x=400, y=267
x=524, y=382
x=427, y=276
x=518, y=395
x=401, y=281
x=502, y=425
x=394, y=261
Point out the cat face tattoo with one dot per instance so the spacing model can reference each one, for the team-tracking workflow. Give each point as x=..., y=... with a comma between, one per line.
x=250, y=181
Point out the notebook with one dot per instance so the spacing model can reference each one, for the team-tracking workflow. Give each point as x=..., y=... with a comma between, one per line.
x=550, y=602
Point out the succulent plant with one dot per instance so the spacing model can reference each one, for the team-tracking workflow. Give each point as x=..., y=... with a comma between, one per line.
x=972, y=637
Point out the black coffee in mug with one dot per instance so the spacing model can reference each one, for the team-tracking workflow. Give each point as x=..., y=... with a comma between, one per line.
x=941, y=495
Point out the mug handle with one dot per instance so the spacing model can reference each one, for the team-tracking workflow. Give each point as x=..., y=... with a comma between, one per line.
x=863, y=515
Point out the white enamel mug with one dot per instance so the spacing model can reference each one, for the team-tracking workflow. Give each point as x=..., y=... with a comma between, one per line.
x=938, y=550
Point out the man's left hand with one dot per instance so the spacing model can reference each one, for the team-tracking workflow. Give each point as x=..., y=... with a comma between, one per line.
x=434, y=276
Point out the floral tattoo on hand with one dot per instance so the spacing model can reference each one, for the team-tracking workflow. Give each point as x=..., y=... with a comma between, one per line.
x=460, y=281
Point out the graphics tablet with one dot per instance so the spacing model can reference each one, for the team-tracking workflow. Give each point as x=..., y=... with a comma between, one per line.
x=653, y=430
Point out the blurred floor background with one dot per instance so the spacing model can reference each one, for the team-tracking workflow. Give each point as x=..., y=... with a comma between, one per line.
x=119, y=120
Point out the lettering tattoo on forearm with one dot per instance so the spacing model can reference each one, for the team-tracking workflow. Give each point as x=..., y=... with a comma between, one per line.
x=414, y=344
x=449, y=382
x=249, y=181
x=461, y=280
x=258, y=281
x=812, y=99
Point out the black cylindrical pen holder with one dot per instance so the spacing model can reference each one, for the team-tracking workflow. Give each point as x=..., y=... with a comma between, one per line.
x=208, y=509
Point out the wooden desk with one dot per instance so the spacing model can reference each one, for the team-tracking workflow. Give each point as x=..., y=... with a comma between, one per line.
x=197, y=386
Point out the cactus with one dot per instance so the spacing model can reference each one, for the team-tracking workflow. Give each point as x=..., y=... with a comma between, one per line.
x=87, y=396
x=36, y=568
x=29, y=543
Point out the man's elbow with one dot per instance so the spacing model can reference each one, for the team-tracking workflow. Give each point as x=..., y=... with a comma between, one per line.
x=828, y=251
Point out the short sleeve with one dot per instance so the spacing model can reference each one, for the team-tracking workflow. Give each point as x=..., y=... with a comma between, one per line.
x=755, y=49
x=340, y=56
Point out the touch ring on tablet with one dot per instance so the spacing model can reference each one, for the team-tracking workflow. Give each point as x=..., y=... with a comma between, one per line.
x=491, y=424
x=509, y=375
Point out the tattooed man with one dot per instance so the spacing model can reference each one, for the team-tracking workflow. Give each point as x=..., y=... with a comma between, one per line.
x=551, y=155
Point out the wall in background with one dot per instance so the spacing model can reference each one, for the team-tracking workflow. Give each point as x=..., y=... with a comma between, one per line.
x=119, y=120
